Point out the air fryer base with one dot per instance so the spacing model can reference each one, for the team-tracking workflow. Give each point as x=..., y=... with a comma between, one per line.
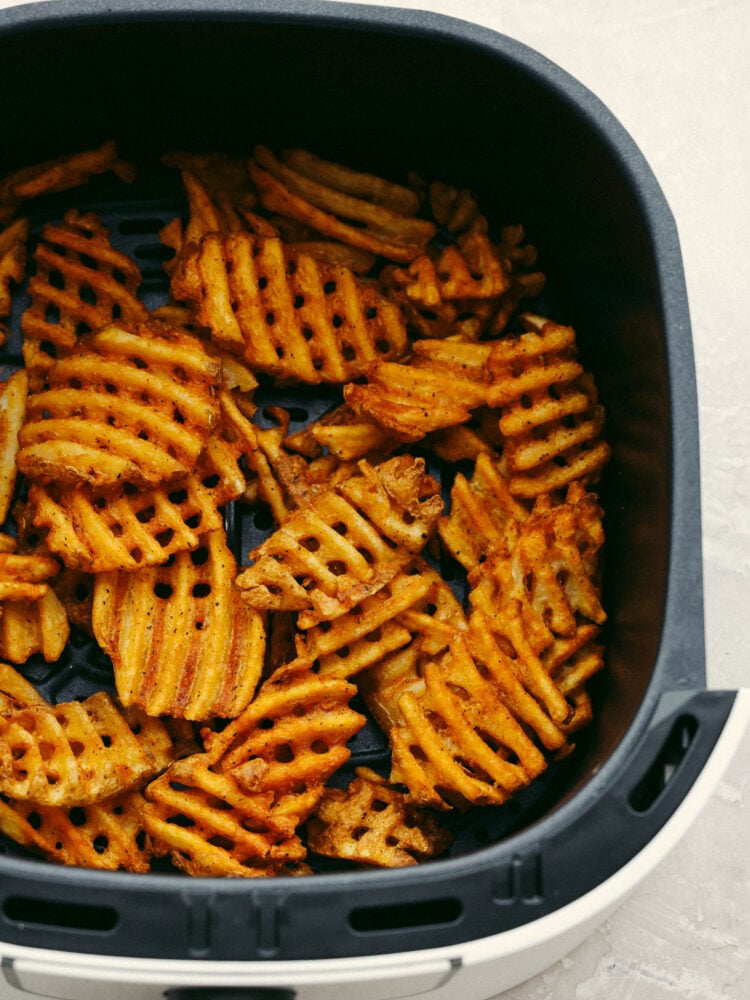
x=475, y=970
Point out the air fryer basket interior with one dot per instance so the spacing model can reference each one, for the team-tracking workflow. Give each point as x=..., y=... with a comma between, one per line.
x=391, y=93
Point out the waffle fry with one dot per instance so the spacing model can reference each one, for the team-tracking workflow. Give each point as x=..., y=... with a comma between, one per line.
x=107, y=835
x=454, y=740
x=12, y=414
x=78, y=752
x=439, y=387
x=290, y=316
x=372, y=823
x=13, y=240
x=329, y=556
x=24, y=578
x=329, y=205
x=62, y=174
x=97, y=530
x=16, y=692
x=290, y=739
x=210, y=826
x=29, y=627
x=130, y=405
x=203, y=651
x=80, y=283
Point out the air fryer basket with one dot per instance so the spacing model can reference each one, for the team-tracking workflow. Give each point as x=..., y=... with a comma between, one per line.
x=391, y=92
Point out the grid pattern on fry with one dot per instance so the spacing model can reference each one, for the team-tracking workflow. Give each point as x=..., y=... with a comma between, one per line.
x=291, y=315
x=203, y=650
x=131, y=405
x=428, y=627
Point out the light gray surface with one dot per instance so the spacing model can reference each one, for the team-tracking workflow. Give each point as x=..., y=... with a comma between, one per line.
x=677, y=75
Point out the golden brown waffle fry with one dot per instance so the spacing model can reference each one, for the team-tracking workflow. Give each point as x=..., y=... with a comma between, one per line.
x=329, y=206
x=108, y=835
x=410, y=402
x=97, y=530
x=288, y=315
x=12, y=260
x=202, y=653
x=366, y=633
x=78, y=752
x=16, y=692
x=482, y=514
x=342, y=433
x=454, y=739
x=372, y=823
x=549, y=413
x=80, y=283
x=24, y=577
x=127, y=406
x=290, y=739
x=12, y=414
x=211, y=826
x=28, y=627
x=62, y=174
x=331, y=554
x=439, y=387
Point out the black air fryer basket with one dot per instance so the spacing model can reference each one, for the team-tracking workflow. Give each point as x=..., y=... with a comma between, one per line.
x=390, y=92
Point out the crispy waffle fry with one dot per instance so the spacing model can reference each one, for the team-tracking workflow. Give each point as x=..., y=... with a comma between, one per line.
x=345, y=545
x=290, y=739
x=28, y=627
x=482, y=514
x=62, y=174
x=95, y=530
x=24, y=577
x=289, y=316
x=343, y=434
x=16, y=692
x=372, y=823
x=108, y=835
x=211, y=826
x=78, y=752
x=128, y=405
x=80, y=283
x=454, y=739
x=12, y=259
x=203, y=651
x=12, y=414
x=439, y=387
x=328, y=205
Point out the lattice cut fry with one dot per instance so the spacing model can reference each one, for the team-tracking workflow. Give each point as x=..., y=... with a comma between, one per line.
x=372, y=823
x=107, y=835
x=358, y=210
x=211, y=826
x=290, y=739
x=345, y=545
x=62, y=174
x=79, y=752
x=483, y=517
x=13, y=240
x=28, y=627
x=24, y=577
x=80, y=283
x=12, y=414
x=368, y=632
x=455, y=741
x=127, y=406
x=16, y=692
x=289, y=315
x=202, y=653
x=97, y=530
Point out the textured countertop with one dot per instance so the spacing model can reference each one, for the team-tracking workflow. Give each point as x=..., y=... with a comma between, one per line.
x=676, y=74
